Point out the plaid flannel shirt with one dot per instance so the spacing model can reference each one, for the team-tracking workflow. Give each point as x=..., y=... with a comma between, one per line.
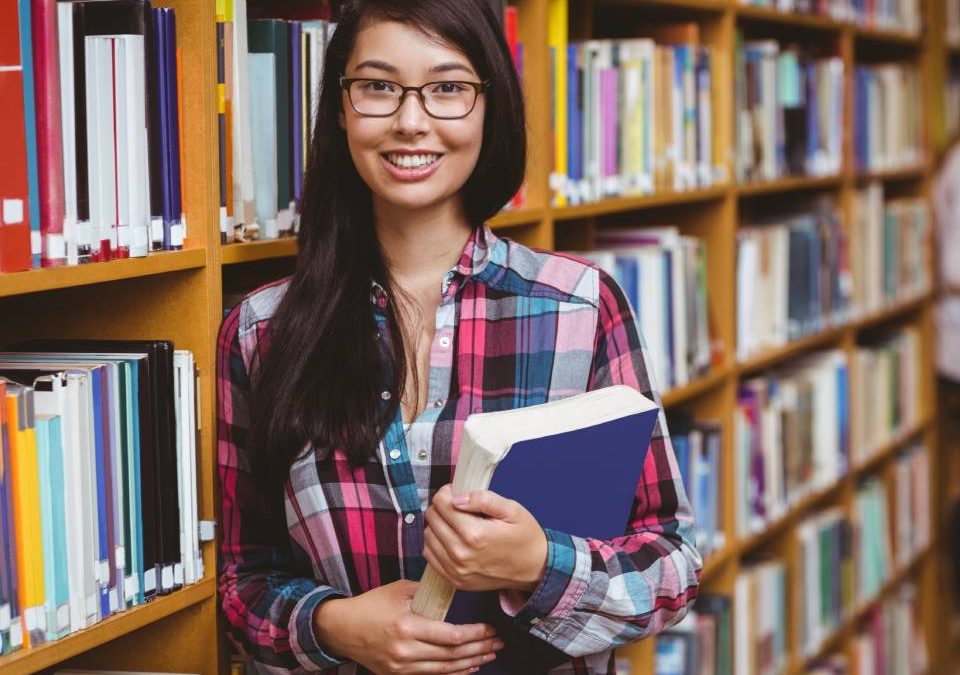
x=515, y=327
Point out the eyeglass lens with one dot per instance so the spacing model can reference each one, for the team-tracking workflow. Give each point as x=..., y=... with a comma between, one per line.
x=441, y=99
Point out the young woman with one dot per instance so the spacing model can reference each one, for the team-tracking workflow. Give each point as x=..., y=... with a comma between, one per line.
x=343, y=390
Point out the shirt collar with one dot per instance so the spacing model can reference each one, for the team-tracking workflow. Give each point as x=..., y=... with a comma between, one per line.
x=473, y=260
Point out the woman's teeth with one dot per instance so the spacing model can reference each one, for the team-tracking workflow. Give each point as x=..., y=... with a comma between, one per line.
x=411, y=161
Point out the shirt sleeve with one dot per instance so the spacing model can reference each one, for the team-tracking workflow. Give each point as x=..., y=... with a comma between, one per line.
x=267, y=592
x=597, y=594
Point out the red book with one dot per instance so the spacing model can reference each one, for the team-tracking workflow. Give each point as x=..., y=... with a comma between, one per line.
x=46, y=88
x=14, y=216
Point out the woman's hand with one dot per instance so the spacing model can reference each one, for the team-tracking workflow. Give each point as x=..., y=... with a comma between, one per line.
x=481, y=542
x=377, y=630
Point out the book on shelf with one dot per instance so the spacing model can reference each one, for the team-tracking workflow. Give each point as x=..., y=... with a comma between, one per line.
x=891, y=639
x=700, y=644
x=793, y=278
x=792, y=437
x=912, y=494
x=824, y=569
x=664, y=275
x=873, y=553
x=885, y=390
x=588, y=494
x=760, y=618
x=100, y=119
x=98, y=491
x=633, y=116
x=888, y=117
x=789, y=104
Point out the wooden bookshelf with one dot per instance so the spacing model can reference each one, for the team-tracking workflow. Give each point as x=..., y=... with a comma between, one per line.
x=179, y=296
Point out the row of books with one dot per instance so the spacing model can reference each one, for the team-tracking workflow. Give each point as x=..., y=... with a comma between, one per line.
x=899, y=15
x=952, y=17
x=698, y=447
x=888, y=117
x=824, y=576
x=788, y=111
x=889, y=248
x=885, y=389
x=792, y=437
x=760, y=618
x=792, y=278
x=892, y=638
x=700, y=643
x=98, y=483
x=873, y=549
x=663, y=274
x=951, y=97
x=92, y=132
x=911, y=475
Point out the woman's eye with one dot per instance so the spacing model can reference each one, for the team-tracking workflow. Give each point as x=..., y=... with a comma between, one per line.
x=378, y=86
x=448, y=88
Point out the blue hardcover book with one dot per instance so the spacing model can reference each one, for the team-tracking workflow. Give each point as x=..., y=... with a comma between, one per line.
x=10, y=637
x=574, y=124
x=171, y=100
x=54, y=532
x=103, y=556
x=30, y=125
x=575, y=465
x=628, y=270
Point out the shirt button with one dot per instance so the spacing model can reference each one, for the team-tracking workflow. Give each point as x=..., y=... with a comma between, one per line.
x=438, y=403
x=422, y=454
x=385, y=395
x=444, y=341
x=409, y=518
x=394, y=454
x=534, y=621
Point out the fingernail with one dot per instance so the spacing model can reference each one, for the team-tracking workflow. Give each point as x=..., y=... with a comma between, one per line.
x=474, y=669
x=461, y=500
x=498, y=644
x=487, y=658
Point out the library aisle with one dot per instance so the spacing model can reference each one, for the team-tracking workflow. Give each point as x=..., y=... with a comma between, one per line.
x=756, y=174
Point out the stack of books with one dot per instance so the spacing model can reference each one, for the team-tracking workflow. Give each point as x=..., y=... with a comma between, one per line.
x=912, y=493
x=872, y=549
x=700, y=644
x=824, y=570
x=792, y=437
x=633, y=117
x=886, y=391
x=792, y=278
x=789, y=112
x=838, y=10
x=895, y=15
x=760, y=618
x=664, y=276
x=889, y=249
x=892, y=639
x=98, y=483
x=93, y=134
x=888, y=116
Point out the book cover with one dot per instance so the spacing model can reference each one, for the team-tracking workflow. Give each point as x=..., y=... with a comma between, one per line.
x=588, y=493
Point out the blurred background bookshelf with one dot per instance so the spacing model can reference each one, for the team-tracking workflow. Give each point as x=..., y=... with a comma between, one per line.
x=767, y=187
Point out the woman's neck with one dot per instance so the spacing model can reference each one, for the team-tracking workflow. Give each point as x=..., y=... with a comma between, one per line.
x=419, y=247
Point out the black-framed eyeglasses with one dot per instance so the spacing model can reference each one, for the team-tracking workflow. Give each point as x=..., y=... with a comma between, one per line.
x=443, y=100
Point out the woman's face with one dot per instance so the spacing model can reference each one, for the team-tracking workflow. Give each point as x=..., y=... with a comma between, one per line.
x=411, y=160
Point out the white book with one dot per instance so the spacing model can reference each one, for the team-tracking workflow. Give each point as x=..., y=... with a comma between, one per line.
x=244, y=190
x=185, y=397
x=68, y=128
x=101, y=157
x=263, y=103
x=132, y=120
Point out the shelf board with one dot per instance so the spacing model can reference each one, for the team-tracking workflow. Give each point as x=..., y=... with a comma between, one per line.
x=52, y=653
x=752, y=542
x=521, y=216
x=789, y=184
x=53, y=278
x=712, y=6
x=621, y=204
x=792, y=349
x=715, y=562
x=887, y=36
x=793, y=19
x=890, y=447
x=680, y=395
x=902, y=174
x=261, y=249
x=885, y=314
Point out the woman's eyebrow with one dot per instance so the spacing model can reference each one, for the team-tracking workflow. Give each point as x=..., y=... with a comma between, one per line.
x=439, y=68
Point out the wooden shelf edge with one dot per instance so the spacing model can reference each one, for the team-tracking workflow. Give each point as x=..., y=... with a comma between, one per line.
x=789, y=184
x=792, y=349
x=889, y=448
x=521, y=216
x=712, y=6
x=886, y=35
x=795, y=19
x=623, y=204
x=55, y=278
x=694, y=388
x=52, y=653
x=261, y=249
x=891, y=312
x=905, y=173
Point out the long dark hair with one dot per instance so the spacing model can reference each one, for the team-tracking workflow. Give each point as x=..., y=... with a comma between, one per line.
x=322, y=375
